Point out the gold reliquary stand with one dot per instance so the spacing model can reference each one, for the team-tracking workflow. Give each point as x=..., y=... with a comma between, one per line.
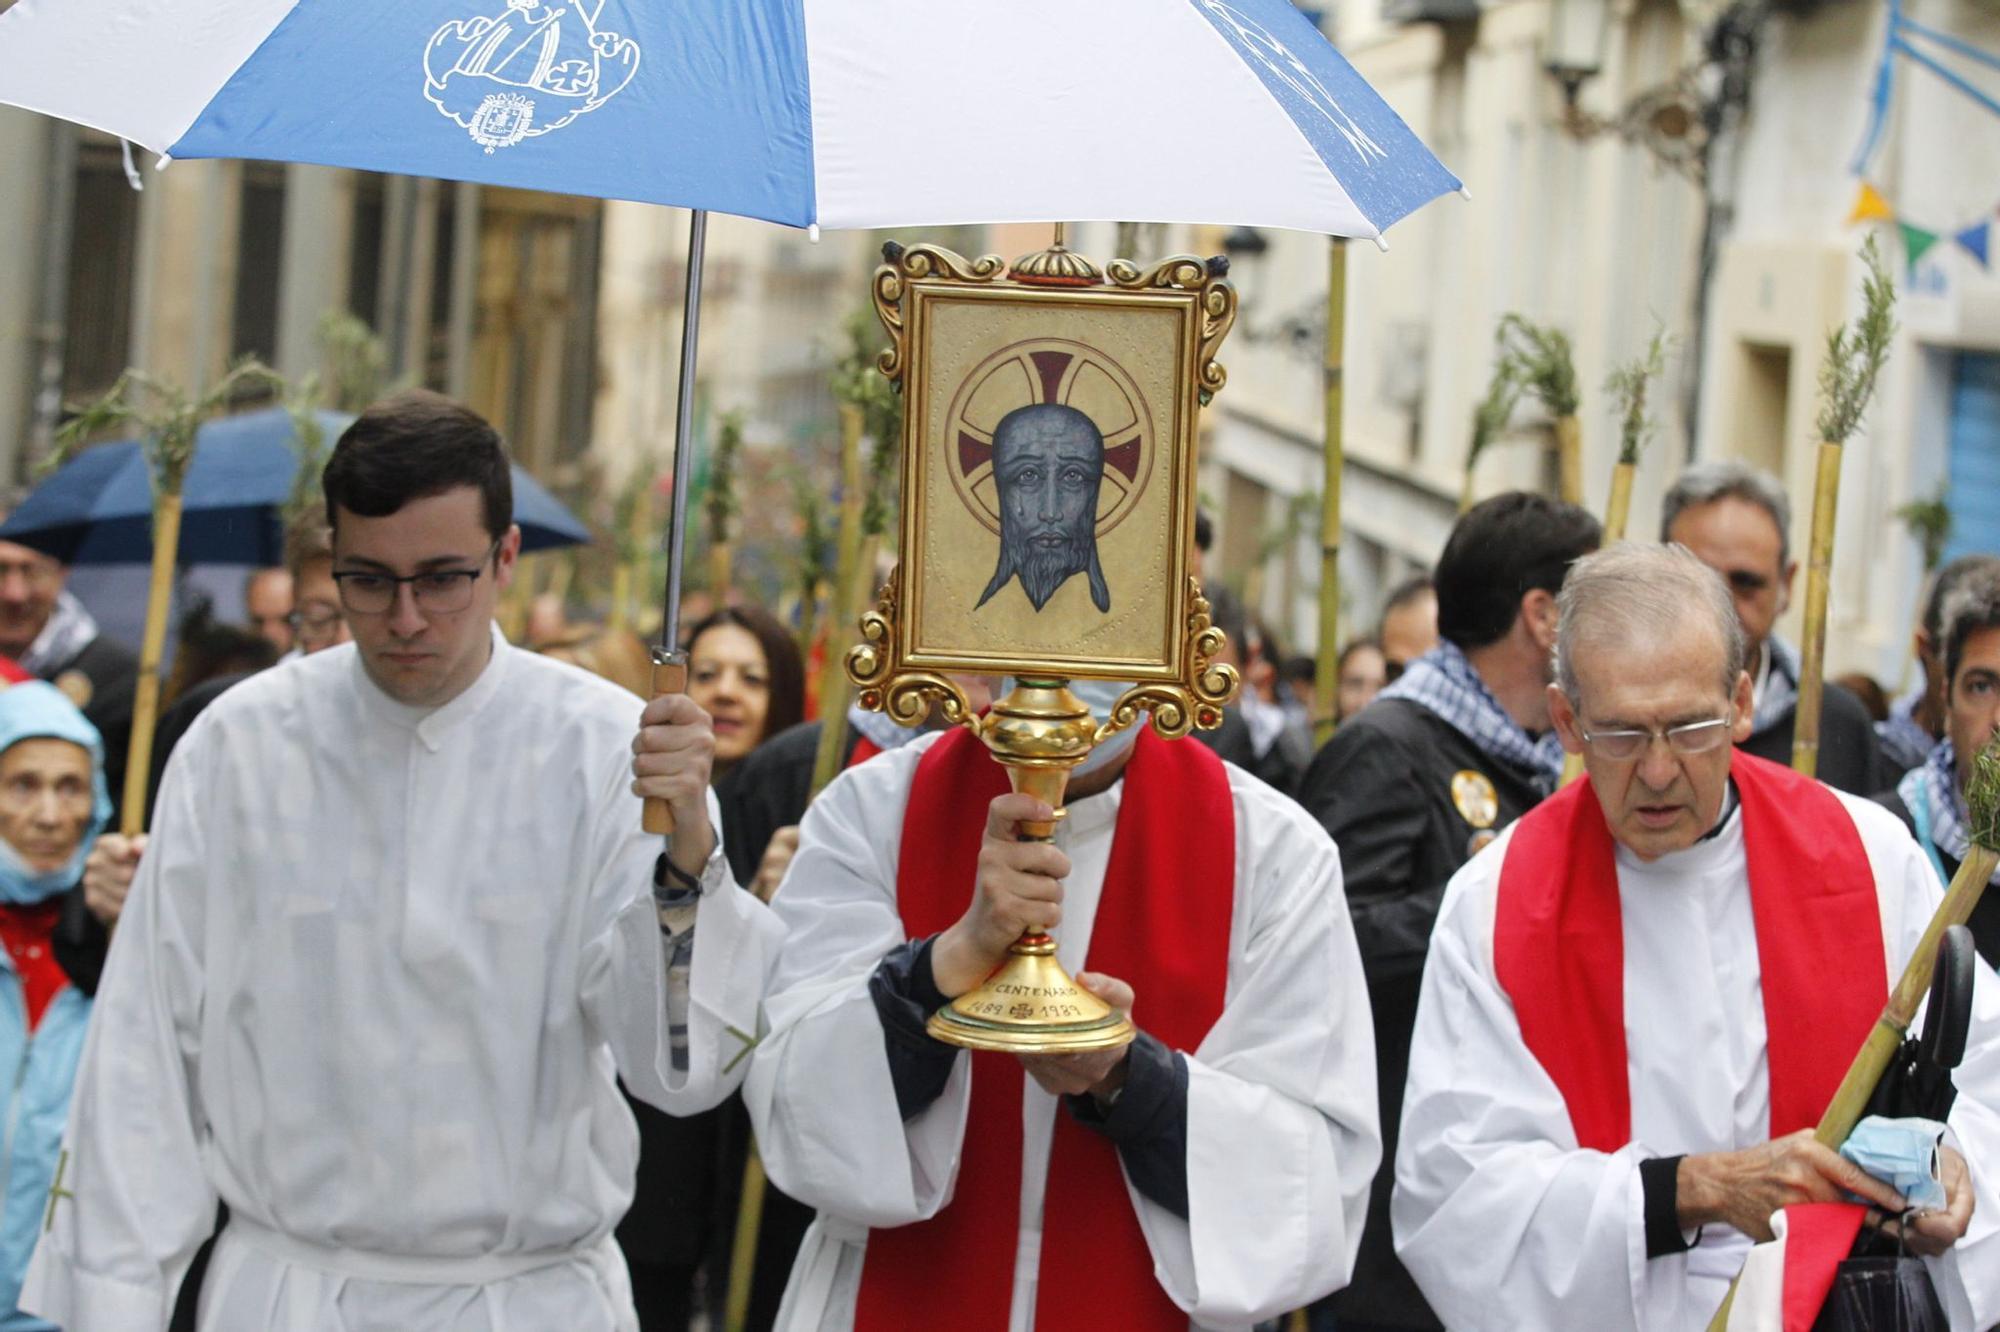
x=1132, y=350
x=1039, y=732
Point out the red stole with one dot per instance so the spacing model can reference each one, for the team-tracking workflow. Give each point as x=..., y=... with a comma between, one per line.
x=1163, y=925
x=1559, y=948
x=864, y=749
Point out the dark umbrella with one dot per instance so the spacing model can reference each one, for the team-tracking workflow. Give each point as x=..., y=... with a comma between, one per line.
x=98, y=507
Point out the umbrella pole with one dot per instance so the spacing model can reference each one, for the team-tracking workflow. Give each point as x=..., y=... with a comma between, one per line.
x=146, y=697
x=669, y=661
x=1326, y=669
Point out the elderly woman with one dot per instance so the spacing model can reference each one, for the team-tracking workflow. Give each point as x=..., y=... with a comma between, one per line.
x=53, y=803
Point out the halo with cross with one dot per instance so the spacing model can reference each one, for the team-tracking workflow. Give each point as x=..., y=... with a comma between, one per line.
x=1044, y=370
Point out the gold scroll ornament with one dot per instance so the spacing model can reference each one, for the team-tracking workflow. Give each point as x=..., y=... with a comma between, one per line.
x=1134, y=349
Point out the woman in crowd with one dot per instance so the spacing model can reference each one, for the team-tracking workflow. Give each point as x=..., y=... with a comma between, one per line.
x=745, y=670
x=1363, y=672
x=53, y=803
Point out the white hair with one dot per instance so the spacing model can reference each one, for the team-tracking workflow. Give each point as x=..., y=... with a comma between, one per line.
x=1636, y=591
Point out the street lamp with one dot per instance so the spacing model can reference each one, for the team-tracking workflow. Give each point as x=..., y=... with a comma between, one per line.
x=1573, y=50
x=1668, y=120
x=1300, y=332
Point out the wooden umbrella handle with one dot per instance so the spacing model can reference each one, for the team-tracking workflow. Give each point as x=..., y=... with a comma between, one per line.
x=670, y=676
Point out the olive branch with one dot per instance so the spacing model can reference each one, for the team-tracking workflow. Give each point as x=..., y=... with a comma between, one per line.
x=1628, y=385
x=167, y=416
x=1855, y=353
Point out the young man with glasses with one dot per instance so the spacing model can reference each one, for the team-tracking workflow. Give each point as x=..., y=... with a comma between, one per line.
x=1419, y=780
x=1640, y=999
x=396, y=933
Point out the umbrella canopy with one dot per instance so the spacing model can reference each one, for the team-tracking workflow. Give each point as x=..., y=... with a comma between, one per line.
x=840, y=113
x=98, y=507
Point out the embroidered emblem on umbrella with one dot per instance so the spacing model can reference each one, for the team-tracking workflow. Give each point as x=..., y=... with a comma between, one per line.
x=1258, y=42
x=531, y=68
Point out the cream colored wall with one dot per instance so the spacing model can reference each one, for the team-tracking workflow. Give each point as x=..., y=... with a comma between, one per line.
x=1593, y=237
x=756, y=327
x=1789, y=273
x=23, y=140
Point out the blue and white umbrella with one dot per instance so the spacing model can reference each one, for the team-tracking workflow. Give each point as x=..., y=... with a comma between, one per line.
x=833, y=113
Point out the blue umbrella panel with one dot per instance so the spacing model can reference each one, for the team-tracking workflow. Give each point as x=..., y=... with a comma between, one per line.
x=98, y=507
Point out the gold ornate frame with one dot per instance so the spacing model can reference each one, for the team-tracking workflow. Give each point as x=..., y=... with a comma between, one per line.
x=897, y=667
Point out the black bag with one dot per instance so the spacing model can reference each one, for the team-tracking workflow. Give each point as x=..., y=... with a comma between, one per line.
x=1880, y=1288
x=1889, y=1294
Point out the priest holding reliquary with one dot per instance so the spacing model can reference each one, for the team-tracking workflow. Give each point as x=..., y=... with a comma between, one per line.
x=1071, y=1024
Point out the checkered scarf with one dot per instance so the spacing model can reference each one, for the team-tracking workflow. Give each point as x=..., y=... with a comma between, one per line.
x=1779, y=697
x=1905, y=743
x=69, y=631
x=1934, y=788
x=1443, y=681
x=878, y=729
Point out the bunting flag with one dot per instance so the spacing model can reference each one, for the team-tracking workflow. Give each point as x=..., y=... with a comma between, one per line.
x=1871, y=205
x=1973, y=241
x=1915, y=241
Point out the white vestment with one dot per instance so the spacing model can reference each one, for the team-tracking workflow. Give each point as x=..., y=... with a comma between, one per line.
x=374, y=979
x=1507, y=1224
x=1281, y=1124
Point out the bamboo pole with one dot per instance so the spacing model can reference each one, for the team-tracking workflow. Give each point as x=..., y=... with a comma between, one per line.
x=146, y=697
x=620, y=615
x=1819, y=572
x=1569, y=459
x=1618, y=511
x=850, y=587
x=1326, y=665
x=1982, y=858
x=848, y=577
x=721, y=558
x=1628, y=385
x=1855, y=354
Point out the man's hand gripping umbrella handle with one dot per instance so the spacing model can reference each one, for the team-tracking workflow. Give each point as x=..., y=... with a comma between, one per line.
x=670, y=676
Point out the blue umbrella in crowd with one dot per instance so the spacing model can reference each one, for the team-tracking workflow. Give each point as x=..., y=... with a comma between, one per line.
x=843, y=113
x=98, y=507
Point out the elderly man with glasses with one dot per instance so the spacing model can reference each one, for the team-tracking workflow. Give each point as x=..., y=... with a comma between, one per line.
x=1641, y=997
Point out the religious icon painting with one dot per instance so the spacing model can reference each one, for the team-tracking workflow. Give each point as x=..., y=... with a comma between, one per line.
x=1048, y=462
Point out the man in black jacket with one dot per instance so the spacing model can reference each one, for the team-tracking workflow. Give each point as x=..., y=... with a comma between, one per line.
x=49, y=634
x=1930, y=799
x=1737, y=520
x=1424, y=777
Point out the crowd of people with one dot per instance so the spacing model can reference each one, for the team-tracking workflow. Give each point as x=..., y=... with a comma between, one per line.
x=1427, y=1037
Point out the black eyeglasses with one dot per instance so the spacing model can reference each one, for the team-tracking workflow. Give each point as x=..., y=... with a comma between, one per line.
x=439, y=591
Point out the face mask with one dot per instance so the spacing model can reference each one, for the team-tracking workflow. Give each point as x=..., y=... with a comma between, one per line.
x=21, y=886
x=1100, y=696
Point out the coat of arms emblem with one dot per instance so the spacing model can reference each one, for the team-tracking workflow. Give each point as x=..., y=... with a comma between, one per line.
x=532, y=67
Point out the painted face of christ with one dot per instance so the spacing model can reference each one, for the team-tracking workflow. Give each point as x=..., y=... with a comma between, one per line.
x=1048, y=462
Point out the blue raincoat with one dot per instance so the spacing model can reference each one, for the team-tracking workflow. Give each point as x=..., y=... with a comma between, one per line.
x=37, y=1069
